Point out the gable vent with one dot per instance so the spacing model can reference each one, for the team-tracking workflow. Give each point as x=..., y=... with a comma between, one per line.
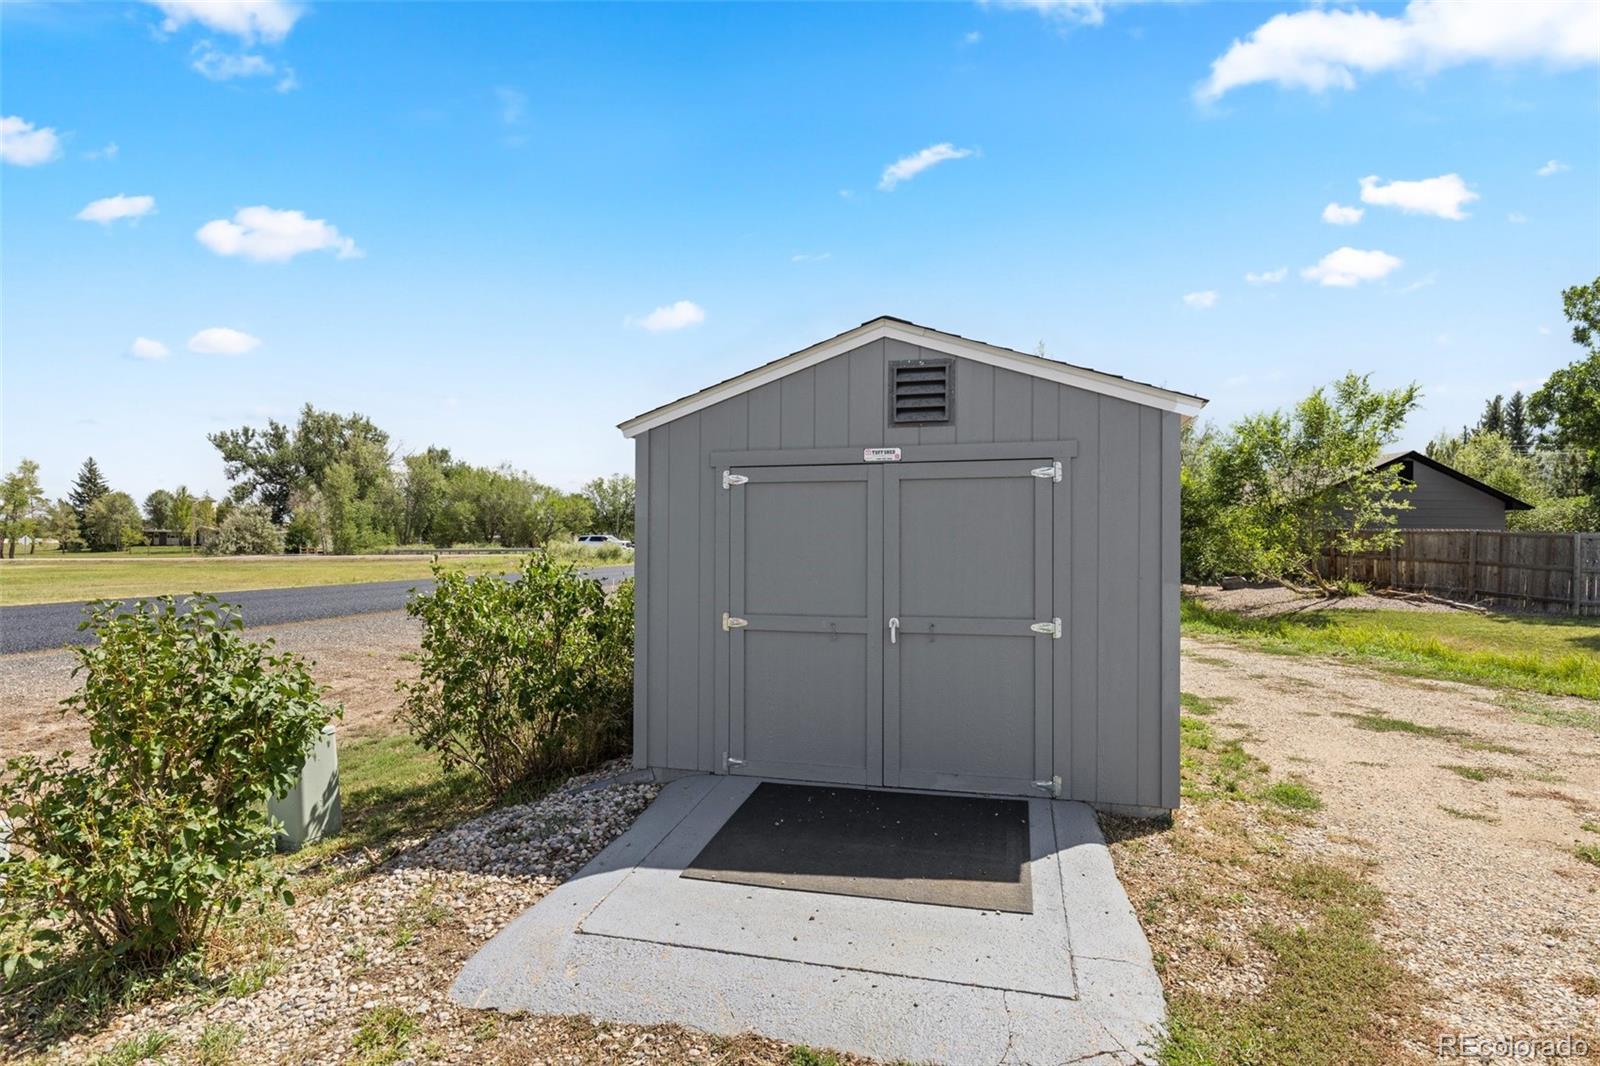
x=919, y=392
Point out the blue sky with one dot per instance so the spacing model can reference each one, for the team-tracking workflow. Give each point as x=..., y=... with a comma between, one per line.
x=502, y=208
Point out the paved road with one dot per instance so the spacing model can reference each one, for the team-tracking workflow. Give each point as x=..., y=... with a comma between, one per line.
x=51, y=625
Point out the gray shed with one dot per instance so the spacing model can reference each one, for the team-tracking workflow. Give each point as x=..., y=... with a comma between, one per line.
x=904, y=558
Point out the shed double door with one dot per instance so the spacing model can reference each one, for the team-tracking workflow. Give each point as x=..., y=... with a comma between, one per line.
x=891, y=624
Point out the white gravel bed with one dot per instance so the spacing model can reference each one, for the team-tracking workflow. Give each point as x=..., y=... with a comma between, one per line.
x=396, y=936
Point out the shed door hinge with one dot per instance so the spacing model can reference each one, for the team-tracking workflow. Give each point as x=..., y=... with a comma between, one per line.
x=1052, y=786
x=1053, y=627
x=729, y=622
x=730, y=479
x=1053, y=471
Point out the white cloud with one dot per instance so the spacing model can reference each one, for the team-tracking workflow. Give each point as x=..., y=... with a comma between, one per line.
x=268, y=235
x=910, y=166
x=513, y=104
x=1340, y=215
x=145, y=348
x=111, y=208
x=248, y=20
x=1555, y=166
x=1421, y=283
x=1516, y=218
x=108, y=152
x=1267, y=277
x=220, y=340
x=810, y=257
x=1074, y=12
x=1345, y=267
x=1200, y=301
x=212, y=63
x=1326, y=48
x=24, y=146
x=669, y=317
x=1441, y=197
x=971, y=37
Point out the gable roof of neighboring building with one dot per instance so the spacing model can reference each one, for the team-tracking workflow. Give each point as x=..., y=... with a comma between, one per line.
x=884, y=326
x=1511, y=502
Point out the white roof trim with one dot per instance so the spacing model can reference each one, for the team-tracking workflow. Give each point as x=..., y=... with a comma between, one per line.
x=892, y=329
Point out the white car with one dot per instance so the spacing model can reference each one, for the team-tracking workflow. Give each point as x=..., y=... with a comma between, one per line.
x=600, y=540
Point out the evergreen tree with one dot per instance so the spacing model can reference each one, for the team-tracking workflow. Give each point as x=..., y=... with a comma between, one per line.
x=89, y=487
x=1494, y=416
x=1517, y=430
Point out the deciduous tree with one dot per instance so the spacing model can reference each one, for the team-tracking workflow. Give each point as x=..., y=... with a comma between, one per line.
x=22, y=504
x=1264, y=496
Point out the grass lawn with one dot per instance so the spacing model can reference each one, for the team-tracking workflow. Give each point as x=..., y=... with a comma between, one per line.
x=1548, y=654
x=56, y=578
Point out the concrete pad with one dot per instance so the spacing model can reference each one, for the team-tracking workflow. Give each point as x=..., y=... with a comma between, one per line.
x=991, y=949
x=953, y=1010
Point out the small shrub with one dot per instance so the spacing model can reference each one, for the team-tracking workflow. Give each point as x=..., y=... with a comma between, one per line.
x=522, y=678
x=136, y=1049
x=1293, y=796
x=1589, y=853
x=139, y=850
x=218, y=1044
x=384, y=1035
x=249, y=530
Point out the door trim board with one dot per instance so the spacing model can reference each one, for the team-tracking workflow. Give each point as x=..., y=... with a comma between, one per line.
x=909, y=453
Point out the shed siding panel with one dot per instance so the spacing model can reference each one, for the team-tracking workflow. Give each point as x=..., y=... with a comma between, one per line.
x=766, y=415
x=799, y=416
x=641, y=601
x=1171, y=580
x=657, y=575
x=974, y=402
x=867, y=402
x=683, y=591
x=1118, y=622
x=1442, y=502
x=833, y=403
x=1013, y=406
x=1077, y=762
x=1148, y=708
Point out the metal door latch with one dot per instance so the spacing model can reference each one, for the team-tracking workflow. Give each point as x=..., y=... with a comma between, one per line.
x=1052, y=786
x=894, y=629
x=728, y=761
x=1053, y=471
x=1053, y=627
x=730, y=622
x=730, y=479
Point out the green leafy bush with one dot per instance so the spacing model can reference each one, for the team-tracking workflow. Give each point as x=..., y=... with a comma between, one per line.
x=525, y=677
x=249, y=530
x=137, y=851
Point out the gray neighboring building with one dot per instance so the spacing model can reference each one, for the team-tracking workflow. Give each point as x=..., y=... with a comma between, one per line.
x=904, y=558
x=1445, y=498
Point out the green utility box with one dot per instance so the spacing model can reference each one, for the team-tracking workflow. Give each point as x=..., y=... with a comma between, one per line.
x=310, y=810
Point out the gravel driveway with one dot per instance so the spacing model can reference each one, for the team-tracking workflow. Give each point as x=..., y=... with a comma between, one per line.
x=1470, y=816
x=359, y=658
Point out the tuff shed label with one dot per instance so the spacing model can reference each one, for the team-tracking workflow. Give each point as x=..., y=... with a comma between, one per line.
x=880, y=455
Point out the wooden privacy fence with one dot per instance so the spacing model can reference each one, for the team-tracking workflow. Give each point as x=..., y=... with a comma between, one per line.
x=1546, y=571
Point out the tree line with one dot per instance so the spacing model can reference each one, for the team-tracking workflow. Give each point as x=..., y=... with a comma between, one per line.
x=1264, y=496
x=326, y=483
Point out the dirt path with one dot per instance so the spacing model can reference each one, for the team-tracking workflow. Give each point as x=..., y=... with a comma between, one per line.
x=1468, y=802
x=359, y=658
